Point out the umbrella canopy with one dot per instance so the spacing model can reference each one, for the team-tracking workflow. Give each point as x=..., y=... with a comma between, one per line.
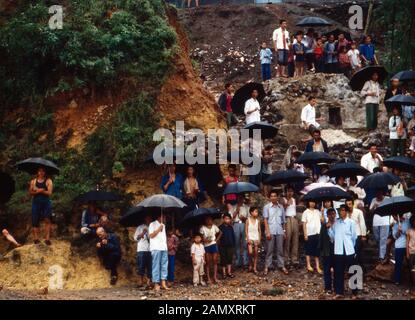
x=240, y=187
x=378, y=180
x=244, y=93
x=286, y=177
x=313, y=22
x=399, y=100
x=318, y=185
x=7, y=187
x=162, y=201
x=326, y=193
x=395, y=205
x=196, y=217
x=97, y=195
x=31, y=166
x=311, y=158
x=408, y=75
x=360, y=77
x=402, y=163
x=347, y=169
x=268, y=131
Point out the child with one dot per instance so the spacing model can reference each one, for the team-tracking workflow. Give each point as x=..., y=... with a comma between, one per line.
x=226, y=246
x=291, y=62
x=299, y=51
x=210, y=234
x=327, y=250
x=265, y=56
x=399, y=234
x=253, y=238
x=410, y=246
x=397, y=133
x=172, y=246
x=344, y=62
x=319, y=56
x=197, y=252
x=354, y=57
x=311, y=227
x=143, y=251
x=231, y=177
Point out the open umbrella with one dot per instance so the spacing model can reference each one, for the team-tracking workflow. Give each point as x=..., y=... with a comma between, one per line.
x=318, y=185
x=402, y=163
x=408, y=75
x=7, y=187
x=286, y=177
x=326, y=193
x=31, y=166
x=347, y=169
x=240, y=187
x=379, y=180
x=313, y=22
x=360, y=77
x=311, y=158
x=399, y=100
x=97, y=195
x=244, y=93
x=268, y=131
x=395, y=205
x=158, y=203
x=196, y=217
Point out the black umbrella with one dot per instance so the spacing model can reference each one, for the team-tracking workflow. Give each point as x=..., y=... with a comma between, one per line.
x=402, y=163
x=410, y=191
x=379, y=180
x=347, y=169
x=360, y=77
x=313, y=22
x=7, y=187
x=240, y=187
x=311, y=158
x=286, y=177
x=31, y=166
x=196, y=217
x=399, y=100
x=97, y=195
x=405, y=76
x=395, y=205
x=326, y=193
x=244, y=93
x=268, y=131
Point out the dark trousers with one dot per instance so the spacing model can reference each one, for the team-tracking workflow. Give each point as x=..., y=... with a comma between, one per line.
x=331, y=68
x=110, y=261
x=266, y=71
x=399, y=257
x=319, y=65
x=397, y=146
x=328, y=263
x=341, y=263
x=291, y=69
x=372, y=110
x=255, y=179
x=358, y=249
x=170, y=269
x=144, y=263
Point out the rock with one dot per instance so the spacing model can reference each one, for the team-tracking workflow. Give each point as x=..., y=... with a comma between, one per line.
x=73, y=104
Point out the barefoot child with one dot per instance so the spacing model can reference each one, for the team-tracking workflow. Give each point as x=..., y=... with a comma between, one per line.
x=311, y=220
x=253, y=238
x=226, y=245
x=197, y=252
x=210, y=234
x=299, y=51
x=172, y=246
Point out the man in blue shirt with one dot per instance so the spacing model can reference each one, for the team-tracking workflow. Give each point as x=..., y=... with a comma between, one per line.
x=367, y=52
x=343, y=234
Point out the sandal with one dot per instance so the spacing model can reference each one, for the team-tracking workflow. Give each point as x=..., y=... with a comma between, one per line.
x=310, y=269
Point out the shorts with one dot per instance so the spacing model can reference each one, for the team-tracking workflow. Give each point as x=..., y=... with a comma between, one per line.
x=226, y=255
x=311, y=246
x=299, y=58
x=283, y=57
x=213, y=248
x=40, y=211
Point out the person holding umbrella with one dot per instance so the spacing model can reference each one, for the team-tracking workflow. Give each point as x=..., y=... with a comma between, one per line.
x=380, y=225
x=92, y=218
x=358, y=217
x=252, y=108
x=41, y=189
x=397, y=135
x=399, y=232
x=311, y=220
x=292, y=227
x=371, y=92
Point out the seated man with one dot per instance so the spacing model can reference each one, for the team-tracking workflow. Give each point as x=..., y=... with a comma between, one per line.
x=308, y=116
x=92, y=218
x=109, y=251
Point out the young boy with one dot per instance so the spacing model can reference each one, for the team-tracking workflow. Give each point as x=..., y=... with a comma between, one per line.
x=299, y=51
x=265, y=56
x=197, y=252
x=226, y=245
x=172, y=246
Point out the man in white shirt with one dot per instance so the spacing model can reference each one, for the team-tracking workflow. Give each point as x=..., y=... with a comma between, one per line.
x=357, y=216
x=308, y=116
x=371, y=92
x=143, y=250
x=158, y=248
x=239, y=214
x=372, y=159
x=281, y=39
x=252, y=108
x=292, y=228
x=381, y=225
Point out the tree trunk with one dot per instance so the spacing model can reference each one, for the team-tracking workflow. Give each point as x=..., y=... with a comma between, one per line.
x=369, y=16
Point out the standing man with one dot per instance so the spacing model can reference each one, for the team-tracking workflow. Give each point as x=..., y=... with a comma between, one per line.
x=308, y=116
x=292, y=233
x=274, y=221
x=357, y=216
x=281, y=39
x=367, y=52
x=371, y=92
x=343, y=234
x=331, y=55
x=252, y=108
x=225, y=103
x=239, y=214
